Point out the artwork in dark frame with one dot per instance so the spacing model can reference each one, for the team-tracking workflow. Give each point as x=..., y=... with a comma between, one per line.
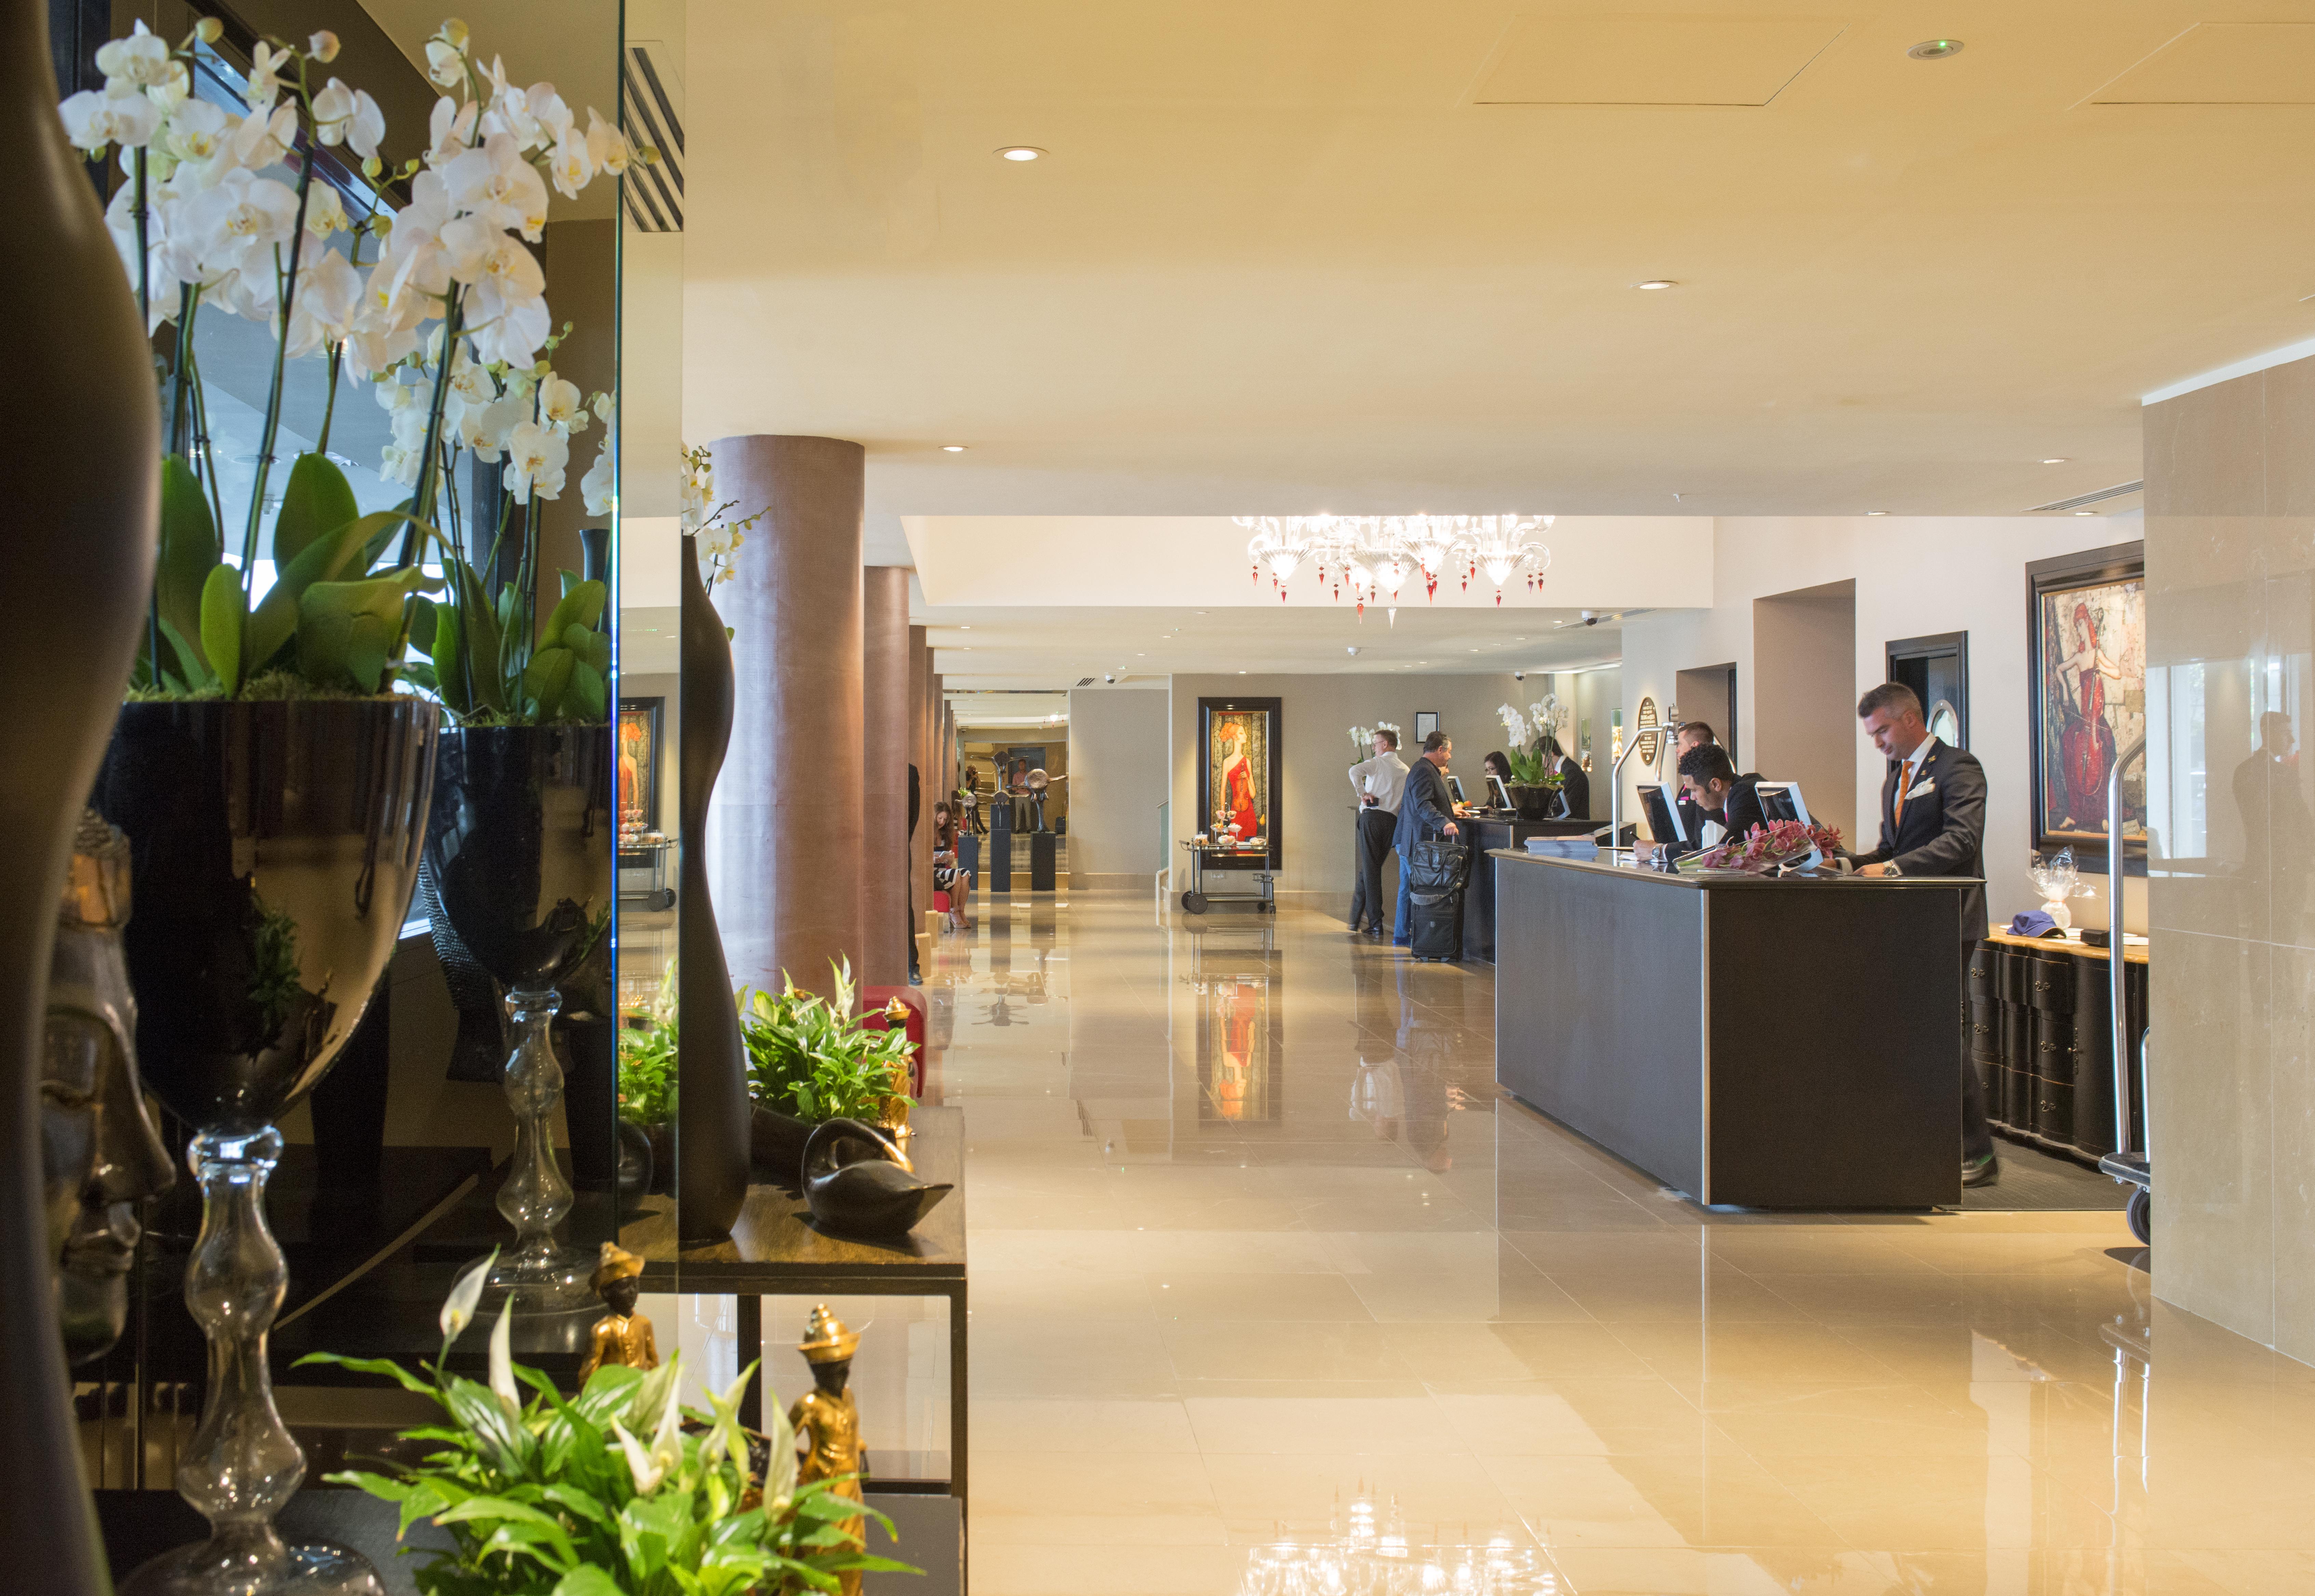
x=1239, y=767
x=1937, y=668
x=2086, y=685
x=641, y=723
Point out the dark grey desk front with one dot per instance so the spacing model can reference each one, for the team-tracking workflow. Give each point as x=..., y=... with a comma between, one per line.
x=1752, y=1044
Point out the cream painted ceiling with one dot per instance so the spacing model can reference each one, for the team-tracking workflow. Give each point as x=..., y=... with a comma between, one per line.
x=1287, y=255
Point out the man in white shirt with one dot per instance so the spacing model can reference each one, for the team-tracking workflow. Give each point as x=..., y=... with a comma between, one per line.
x=1379, y=783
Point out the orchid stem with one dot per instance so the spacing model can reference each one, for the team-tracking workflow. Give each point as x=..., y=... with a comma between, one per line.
x=330, y=407
x=288, y=288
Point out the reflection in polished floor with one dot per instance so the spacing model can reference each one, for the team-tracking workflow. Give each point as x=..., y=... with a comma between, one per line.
x=1250, y=1226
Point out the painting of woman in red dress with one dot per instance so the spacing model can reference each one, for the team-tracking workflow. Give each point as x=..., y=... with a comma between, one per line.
x=1240, y=805
x=2093, y=677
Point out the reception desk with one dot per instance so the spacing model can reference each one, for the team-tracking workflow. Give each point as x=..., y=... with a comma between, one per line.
x=1752, y=1043
x=1488, y=834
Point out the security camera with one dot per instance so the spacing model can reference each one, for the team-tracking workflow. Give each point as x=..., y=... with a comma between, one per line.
x=1590, y=617
x=1351, y=649
x=1519, y=676
x=1109, y=676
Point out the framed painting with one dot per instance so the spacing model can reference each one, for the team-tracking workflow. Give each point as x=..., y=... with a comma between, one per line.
x=640, y=723
x=2086, y=672
x=1426, y=722
x=1238, y=756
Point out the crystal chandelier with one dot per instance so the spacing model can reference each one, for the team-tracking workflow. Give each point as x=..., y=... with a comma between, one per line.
x=1368, y=1553
x=1375, y=556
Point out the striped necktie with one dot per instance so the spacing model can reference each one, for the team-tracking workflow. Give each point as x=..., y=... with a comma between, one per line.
x=1904, y=782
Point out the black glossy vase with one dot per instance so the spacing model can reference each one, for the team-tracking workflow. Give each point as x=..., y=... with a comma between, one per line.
x=1532, y=804
x=712, y=1105
x=519, y=862
x=857, y=1183
x=79, y=504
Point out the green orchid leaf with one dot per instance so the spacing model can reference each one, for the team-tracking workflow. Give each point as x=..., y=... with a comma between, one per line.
x=327, y=558
x=347, y=631
x=224, y=625
x=317, y=499
x=480, y=634
x=582, y=606
x=545, y=679
x=449, y=673
x=421, y=624
x=189, y=548
x=588, y=698
x=193, y=670
x=570, y=580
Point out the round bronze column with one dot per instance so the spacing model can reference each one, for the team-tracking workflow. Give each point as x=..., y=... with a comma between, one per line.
x=785, y=832
x=887, y=717
x=920, y=743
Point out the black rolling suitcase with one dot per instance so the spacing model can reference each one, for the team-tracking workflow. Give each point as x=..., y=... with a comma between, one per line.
x=1435, y=895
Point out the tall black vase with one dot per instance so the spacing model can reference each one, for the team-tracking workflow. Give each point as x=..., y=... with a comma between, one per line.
x=710, y=1065
x=79, y=492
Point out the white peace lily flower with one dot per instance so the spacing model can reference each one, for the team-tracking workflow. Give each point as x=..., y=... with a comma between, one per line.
x=607, y=146
x=322, y=46
x=458, y=1308
x=265, y=65
x=322, y=310
x=496, y=185
x=559, y=402
x=596, y=489
x=142, y=59
x=536, y=457
x=444, y=64
x=502, y=1385
x=118, y=113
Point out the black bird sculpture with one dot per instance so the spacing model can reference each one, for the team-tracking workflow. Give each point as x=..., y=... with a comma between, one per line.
x=858, y=1184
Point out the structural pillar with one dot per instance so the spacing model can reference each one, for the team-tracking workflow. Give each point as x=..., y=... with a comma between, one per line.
x=920, y=844
x=785, y=831
x=887, y=717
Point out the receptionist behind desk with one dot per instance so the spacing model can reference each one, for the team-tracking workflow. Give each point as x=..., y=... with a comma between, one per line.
x=1730, y=801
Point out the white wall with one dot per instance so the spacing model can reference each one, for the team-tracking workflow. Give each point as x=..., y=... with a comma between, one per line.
x=1915, y=577
x=1118, y=776
x=1317, y=713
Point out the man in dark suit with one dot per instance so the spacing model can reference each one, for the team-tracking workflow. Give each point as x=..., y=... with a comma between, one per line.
x=1574, y=785
x=1722, y=795
x=1933, y=823
x=1693, y=735
x=1425, y=810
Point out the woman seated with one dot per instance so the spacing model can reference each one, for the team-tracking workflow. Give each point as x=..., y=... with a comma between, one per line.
x=947, y=875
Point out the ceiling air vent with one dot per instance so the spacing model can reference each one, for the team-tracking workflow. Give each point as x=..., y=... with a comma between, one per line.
x=648, y=115
x=1085, y=681
x=2099, y=497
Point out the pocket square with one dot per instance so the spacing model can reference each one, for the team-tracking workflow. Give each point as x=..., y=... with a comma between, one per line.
x=1920, y=790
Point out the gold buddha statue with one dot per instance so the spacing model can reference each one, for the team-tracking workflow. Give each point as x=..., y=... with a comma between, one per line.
x=622, y=1335
x=827, y=1425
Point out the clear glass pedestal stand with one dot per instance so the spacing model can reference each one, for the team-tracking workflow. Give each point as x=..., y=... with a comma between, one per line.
x=538, y=1273
x=242, y=1465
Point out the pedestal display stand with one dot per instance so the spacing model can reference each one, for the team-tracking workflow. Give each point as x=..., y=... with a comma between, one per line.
x=1044, y=855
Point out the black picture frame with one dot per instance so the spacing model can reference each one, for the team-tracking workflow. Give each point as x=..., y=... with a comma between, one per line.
x=1426, y=722
x=2067, y=751
x=649, y=715
x=1903, y=651
x=1273, y=823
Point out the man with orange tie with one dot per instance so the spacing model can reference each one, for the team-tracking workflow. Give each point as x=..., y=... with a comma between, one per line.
x=1933, y=823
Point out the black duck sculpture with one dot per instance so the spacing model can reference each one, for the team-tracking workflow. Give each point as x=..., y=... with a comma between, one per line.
x=858, y=1184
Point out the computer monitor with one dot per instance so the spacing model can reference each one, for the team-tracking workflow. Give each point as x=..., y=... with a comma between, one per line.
x=1661, y=802
x=1503, y=793
x=1455, y=787
x=1782, y=801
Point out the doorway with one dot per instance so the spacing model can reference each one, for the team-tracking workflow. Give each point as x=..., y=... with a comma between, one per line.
x=1805, y=697
x=1708, y=694
x=1937, y=669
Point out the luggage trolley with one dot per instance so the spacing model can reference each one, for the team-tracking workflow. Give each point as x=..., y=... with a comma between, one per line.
x=2128, y=1167
x=1228, y=858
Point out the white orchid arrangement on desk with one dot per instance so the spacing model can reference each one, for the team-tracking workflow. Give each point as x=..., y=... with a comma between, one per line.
x=448, y=320
x=1530, y=766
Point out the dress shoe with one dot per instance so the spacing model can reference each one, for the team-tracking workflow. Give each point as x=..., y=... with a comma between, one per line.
x=1982, y=1172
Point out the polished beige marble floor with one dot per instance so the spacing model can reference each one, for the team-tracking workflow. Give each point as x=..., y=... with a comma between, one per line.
x=1251, y=1228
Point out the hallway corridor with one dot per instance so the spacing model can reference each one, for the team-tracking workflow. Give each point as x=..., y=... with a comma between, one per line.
x=1250, y=1227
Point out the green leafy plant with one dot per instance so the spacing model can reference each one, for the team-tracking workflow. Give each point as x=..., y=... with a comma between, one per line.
x=812, y=1058
x=647, y=1062
x=618, y=1491
x=1531, y=769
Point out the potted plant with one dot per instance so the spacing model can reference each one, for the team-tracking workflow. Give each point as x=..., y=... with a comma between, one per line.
x=811, y=1059
x=618, y=1491
x=647, y=1095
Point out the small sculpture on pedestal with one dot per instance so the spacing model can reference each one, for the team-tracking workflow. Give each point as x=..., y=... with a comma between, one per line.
x=827, y=1425
x=622, y=1336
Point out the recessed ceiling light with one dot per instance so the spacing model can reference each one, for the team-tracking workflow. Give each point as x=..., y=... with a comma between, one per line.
x=2055, y=460
x=1655, y=284
x=1876, y=512
x=1934, y=50
x=2086, y=512
x=965, y=628
x=951, y=448
x=1030, y=152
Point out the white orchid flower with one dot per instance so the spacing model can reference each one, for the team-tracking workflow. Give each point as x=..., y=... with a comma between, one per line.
x=261, y=141
x=485, y=428
x=536, y=457
x=560, y=402
x=322, y=310
x=324, y=213
x=458, y=1308
x=551, y=114
x=95, y=119
x=197, y=131
x=445, y=64
x=348, y=116
x=234, y=226
x=507, y=109
x=502, y=1385
x=570, y=165
x=322, y=46
x=397, y=464
x=507, y=323
x=596, y=489
x=449, y=129
x=607, y=146
x=604, y=407
x=470, y=379
x=497, y=186
x=265, y=65
x=141, y=59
